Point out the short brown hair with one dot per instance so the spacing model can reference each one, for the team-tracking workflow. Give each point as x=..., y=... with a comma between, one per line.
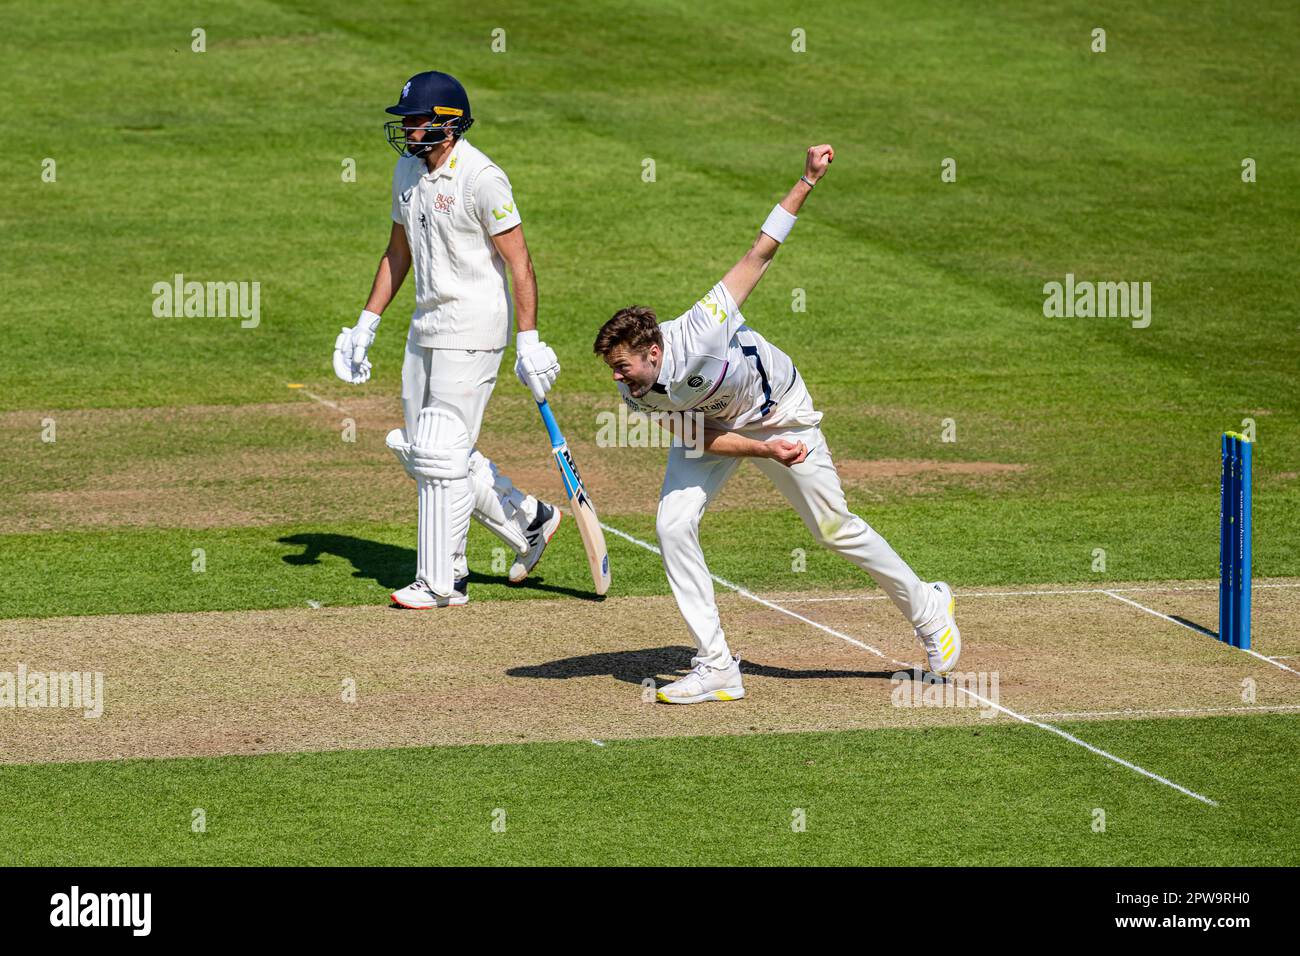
x=636, y=328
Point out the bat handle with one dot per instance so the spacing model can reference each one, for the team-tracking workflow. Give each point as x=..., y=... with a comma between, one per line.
x=552, y=429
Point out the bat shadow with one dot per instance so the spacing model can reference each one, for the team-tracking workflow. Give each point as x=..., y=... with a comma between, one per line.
x=1196, y=627
x=672, y=661
x=822, y=673
x=392, y=566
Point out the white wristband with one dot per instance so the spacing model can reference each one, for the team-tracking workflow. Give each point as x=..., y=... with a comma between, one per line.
x=779, y=223
x=368, y=321
x=526, y=341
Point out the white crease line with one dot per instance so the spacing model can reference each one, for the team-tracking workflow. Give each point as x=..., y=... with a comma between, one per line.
x=1271, y=661
x=908, y=666
x=324, y=401
x=1200, y=630
x=1109, y=592
x=1260, y=708
x=1173, y=620
x=964, y=594
x=979, y=594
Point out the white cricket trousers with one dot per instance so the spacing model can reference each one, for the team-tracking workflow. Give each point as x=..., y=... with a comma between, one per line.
x=461, y=381
x=813, y=489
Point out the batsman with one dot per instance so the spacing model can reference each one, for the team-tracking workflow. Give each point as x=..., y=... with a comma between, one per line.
x=456, y=223
x=709, y=363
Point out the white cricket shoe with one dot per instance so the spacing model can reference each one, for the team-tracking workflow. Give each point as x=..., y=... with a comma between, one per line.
x=539, y=535
x=941, y=638
x=705, y=683
x=418, y=597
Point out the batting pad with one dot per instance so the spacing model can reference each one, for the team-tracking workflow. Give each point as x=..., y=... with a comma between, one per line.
x=498, y=504
x=439, y=458
x=401, y=448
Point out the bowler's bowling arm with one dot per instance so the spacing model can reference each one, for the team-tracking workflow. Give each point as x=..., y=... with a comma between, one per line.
x=744, y=275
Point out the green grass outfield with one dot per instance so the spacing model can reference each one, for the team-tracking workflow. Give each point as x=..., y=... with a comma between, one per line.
x=924, y=303
x=924, y=299
x=993, y=796
x=268, y=567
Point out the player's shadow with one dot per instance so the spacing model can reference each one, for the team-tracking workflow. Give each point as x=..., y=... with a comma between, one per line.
x=673, y=661
x=631, y=667
x=392, y=566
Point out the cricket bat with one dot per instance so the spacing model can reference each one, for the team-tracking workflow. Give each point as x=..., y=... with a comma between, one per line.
x=584, y=513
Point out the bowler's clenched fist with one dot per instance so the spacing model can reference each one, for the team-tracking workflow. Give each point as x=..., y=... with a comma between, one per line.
x=819, y=157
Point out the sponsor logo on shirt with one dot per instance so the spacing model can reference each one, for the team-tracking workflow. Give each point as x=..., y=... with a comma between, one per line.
x=444, y=204
x=504, y=211
x=717, y=405
x=711, y=303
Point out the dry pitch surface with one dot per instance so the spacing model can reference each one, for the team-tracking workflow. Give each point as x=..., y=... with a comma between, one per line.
x=498, y=672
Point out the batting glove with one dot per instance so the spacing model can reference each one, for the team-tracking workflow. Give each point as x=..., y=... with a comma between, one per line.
x=536, y=364
x=350, y=362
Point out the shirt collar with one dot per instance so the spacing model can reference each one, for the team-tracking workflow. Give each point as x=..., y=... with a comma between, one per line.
x=448, y=168
x=665, y=372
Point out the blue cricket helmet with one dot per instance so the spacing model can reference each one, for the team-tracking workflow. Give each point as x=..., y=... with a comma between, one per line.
x=433, y=94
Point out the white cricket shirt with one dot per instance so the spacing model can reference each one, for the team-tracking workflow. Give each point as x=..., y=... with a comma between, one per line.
x=718, y=366
x=462, y=297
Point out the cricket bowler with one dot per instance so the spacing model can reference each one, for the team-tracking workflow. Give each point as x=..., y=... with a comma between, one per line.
x=456, y=222
x=754, y=404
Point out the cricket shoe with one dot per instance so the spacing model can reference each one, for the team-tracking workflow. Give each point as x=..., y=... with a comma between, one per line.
x=705, y=683
x=418, y=596
x=940, y=637
x=539, y=535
